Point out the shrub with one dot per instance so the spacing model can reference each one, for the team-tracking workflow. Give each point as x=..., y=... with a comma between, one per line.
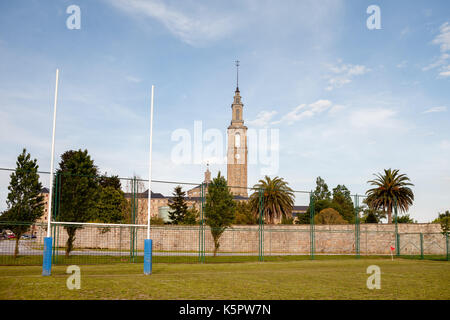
x=329, y=216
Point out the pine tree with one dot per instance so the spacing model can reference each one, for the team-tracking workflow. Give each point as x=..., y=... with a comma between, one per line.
x=111, y=202
x=341, y=197
x=321, y=192
x=25, y=202
x=191, y=217
x=178, y=206
x=78, y=182
x=220, y=209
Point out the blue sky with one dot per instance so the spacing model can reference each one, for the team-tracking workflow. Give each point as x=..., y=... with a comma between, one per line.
x=347, y=101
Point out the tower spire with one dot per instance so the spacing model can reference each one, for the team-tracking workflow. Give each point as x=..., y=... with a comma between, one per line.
x=237, y=75
x=207, y=174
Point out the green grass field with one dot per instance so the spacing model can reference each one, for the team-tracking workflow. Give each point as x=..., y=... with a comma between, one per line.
x=36, y=260
x=318, y=279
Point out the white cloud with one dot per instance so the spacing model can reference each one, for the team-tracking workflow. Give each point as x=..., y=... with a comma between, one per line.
x=343, y=73
x=193, y=26
x=443, y=41
x=304, y=111
x=445, y=71
x=336, y=109
x=373, y=118
x=445, y=144
x=133, y=79
x=443, y=38
x=320, y=105
x=402, y=64
x=436, y=109
x=405, y=31
x=262, y=119
x=442, y=60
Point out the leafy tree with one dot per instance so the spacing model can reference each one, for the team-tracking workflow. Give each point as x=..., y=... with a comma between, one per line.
x=372, y=216
x=127, y=212
x=111, y=201
x=178, y=206
x=390, y=188
x=219, y=208
x=303, y=218
x=79, y=191
x=112, y=181
x=329, y=216
x=405, y=219
x=24, y=201
x=156, y=221
x=343, y=200
x=321, y=192
x=444, y=220
x=321, y=205
x=287, y=220
x=278, y=198
x=191, y=217
x=110, y=205
x=244, y=213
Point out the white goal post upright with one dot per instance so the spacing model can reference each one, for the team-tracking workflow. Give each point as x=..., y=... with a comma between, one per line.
x=148, y=242
x=47, y=258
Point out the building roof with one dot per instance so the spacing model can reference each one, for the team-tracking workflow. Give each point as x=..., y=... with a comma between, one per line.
x=240, y=197
x=300, y=208
x=45, y=190
x=144, y=195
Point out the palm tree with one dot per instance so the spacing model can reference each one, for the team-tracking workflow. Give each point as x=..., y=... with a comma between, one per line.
x=391, y=188
x=278, y=198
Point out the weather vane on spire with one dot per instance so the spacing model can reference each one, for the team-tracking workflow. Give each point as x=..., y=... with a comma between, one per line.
x=237, y=75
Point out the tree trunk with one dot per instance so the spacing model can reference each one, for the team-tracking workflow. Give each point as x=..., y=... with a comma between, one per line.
x=389, y=213
x=216, y=246
x=70, y=240
x=16, y=249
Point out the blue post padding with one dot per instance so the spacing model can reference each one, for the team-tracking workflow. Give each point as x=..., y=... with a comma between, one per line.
x=47, y=260
x=148, y=256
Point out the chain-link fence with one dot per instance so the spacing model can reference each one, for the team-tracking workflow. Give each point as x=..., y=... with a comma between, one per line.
x=98, y=244
x=101, y=220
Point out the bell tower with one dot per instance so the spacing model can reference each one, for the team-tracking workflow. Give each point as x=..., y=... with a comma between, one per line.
x=237, y=145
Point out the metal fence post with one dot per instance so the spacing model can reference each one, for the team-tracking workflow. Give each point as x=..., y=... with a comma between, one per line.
x=133, y=217
x=200, y=227
x=261, y=227
x=203, y=223
x=397, y=236
x=421, y=246
x=201, y=236
x=311, y=224
x=357, y=226
x=53, y=215
x=446, y=241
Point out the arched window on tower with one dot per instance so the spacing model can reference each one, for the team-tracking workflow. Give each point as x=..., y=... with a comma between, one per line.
x=237, y=140
x=237, y=114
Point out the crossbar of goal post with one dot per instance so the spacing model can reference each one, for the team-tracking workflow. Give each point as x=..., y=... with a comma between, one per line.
x=47, y=254
x=148, y=242
x=66, y=223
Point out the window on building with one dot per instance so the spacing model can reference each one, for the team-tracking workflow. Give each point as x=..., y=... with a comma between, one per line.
x=237, y=140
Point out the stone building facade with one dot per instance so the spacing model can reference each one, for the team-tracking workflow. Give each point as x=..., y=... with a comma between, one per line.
x=197, y=191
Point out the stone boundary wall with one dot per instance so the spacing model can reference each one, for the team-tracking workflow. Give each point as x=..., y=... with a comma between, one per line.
x=278, y=239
